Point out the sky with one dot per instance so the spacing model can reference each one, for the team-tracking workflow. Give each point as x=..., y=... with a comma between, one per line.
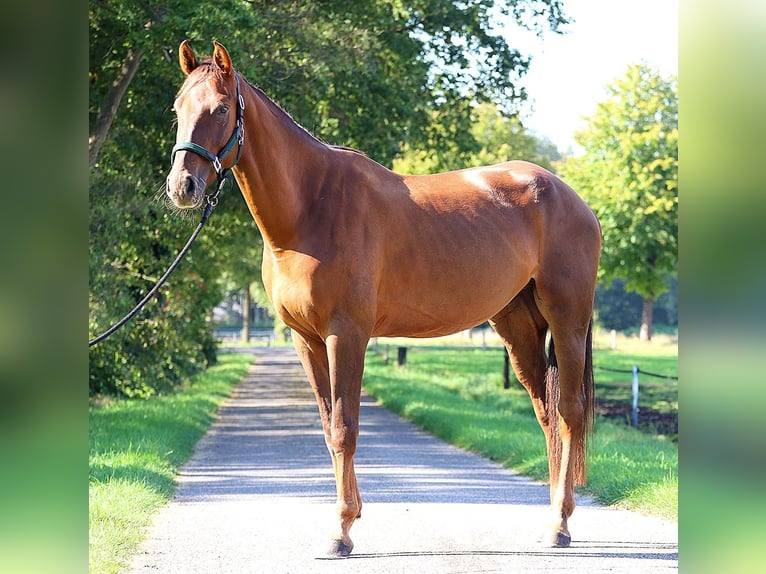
x=569, y=73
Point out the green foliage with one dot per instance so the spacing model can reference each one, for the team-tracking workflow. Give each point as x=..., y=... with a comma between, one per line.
x=504, y=138
x=136, y=448
x=361, y=73
x=482, y=135
x=132, y=242
x=629, y=176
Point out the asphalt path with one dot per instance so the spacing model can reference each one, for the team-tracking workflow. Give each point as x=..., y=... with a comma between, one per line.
x=258, y=496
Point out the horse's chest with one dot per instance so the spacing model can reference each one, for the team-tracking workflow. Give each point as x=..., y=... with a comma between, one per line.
x=290, y=278
x=303, y=289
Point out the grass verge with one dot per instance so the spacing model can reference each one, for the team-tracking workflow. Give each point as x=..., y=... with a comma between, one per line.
x=457, y=395
x=136, y=448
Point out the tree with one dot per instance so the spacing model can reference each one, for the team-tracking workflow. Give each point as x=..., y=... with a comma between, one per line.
x=628, y=173
x=112, y=103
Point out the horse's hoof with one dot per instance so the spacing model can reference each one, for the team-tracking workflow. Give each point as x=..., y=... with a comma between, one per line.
x=558, y=540
x=339, y=549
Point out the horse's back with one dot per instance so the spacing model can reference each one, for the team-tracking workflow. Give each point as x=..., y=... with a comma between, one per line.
x=513, y=184
x=456, y=247
x=516, y=202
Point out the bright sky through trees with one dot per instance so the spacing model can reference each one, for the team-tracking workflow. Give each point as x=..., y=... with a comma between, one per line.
x=569, y=73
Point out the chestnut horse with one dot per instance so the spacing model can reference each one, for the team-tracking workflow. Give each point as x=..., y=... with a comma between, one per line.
x=353, y=250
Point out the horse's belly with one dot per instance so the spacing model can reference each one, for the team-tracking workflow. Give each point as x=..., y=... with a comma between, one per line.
x=428, y=323
x=435, y=312
x=420, y=327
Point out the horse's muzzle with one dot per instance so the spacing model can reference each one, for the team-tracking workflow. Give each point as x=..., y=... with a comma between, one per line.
x=185, y=190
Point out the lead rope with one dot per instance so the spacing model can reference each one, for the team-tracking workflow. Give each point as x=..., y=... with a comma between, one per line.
x=238, y=138
x=211, y=202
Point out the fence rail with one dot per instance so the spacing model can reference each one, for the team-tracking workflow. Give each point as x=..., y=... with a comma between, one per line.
x=610, y=369
x=234, y=334
x=634, y=371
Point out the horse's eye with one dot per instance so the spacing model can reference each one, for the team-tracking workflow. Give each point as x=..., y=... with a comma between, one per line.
x=223, y=109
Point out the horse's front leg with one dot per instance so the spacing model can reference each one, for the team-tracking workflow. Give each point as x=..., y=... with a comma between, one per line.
x=312, y=352
x=334, y=370
x=345, y=353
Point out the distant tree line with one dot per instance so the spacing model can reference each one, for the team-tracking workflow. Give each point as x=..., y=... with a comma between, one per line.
x=622, y=310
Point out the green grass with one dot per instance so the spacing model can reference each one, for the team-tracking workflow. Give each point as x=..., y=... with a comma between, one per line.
x=136, y=449
x=457, y=395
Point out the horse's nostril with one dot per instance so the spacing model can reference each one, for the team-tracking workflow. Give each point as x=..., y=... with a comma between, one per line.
x=191, y=186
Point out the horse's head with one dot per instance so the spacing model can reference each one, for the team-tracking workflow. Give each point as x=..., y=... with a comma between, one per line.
x=209, y=137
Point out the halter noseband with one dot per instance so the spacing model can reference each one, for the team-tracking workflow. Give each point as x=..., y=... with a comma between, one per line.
x=238, y=137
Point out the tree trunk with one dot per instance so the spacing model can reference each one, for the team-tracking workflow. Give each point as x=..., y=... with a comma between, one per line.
x=646, y=320
x=246, y=315
x=112, y=103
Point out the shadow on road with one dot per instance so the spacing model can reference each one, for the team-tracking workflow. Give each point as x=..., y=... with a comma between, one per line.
x=268, y=441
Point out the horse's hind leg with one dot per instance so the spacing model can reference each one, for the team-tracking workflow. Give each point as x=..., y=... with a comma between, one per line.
x=555, y=385
x=567, y=305
x=523, y=330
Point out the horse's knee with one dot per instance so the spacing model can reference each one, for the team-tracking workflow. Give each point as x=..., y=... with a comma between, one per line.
x=342, y=439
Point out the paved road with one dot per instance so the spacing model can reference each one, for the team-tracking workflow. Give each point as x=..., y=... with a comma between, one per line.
x=258, y=496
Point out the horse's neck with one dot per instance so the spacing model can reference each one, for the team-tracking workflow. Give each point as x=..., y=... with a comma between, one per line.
x=276, y=157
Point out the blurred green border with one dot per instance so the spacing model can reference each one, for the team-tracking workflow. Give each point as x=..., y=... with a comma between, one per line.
x=43, y=302
x=722, y=280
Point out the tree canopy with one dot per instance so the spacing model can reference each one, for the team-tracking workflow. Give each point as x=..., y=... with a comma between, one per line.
x=491, y=137
x=373, y=75
x=628, y=174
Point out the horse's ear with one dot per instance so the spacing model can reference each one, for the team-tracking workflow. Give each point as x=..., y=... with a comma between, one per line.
x=186, y=58
x=221, y=58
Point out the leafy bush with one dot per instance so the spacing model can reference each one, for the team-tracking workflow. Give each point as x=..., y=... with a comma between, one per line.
x=132, y=241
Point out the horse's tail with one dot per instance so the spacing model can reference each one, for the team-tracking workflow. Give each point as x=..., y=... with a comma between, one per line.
x=552, y=396
x=589, y=390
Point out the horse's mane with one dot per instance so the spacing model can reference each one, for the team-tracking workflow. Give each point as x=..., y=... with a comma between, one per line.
x=278, y=109
x=346, y=148
x=209, y=67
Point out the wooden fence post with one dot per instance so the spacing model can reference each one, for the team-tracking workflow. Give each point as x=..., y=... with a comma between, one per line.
x=506, y=369
x=401, y=357
x=635, y=395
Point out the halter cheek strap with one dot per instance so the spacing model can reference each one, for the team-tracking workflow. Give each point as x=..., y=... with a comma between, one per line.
x=237, y=137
